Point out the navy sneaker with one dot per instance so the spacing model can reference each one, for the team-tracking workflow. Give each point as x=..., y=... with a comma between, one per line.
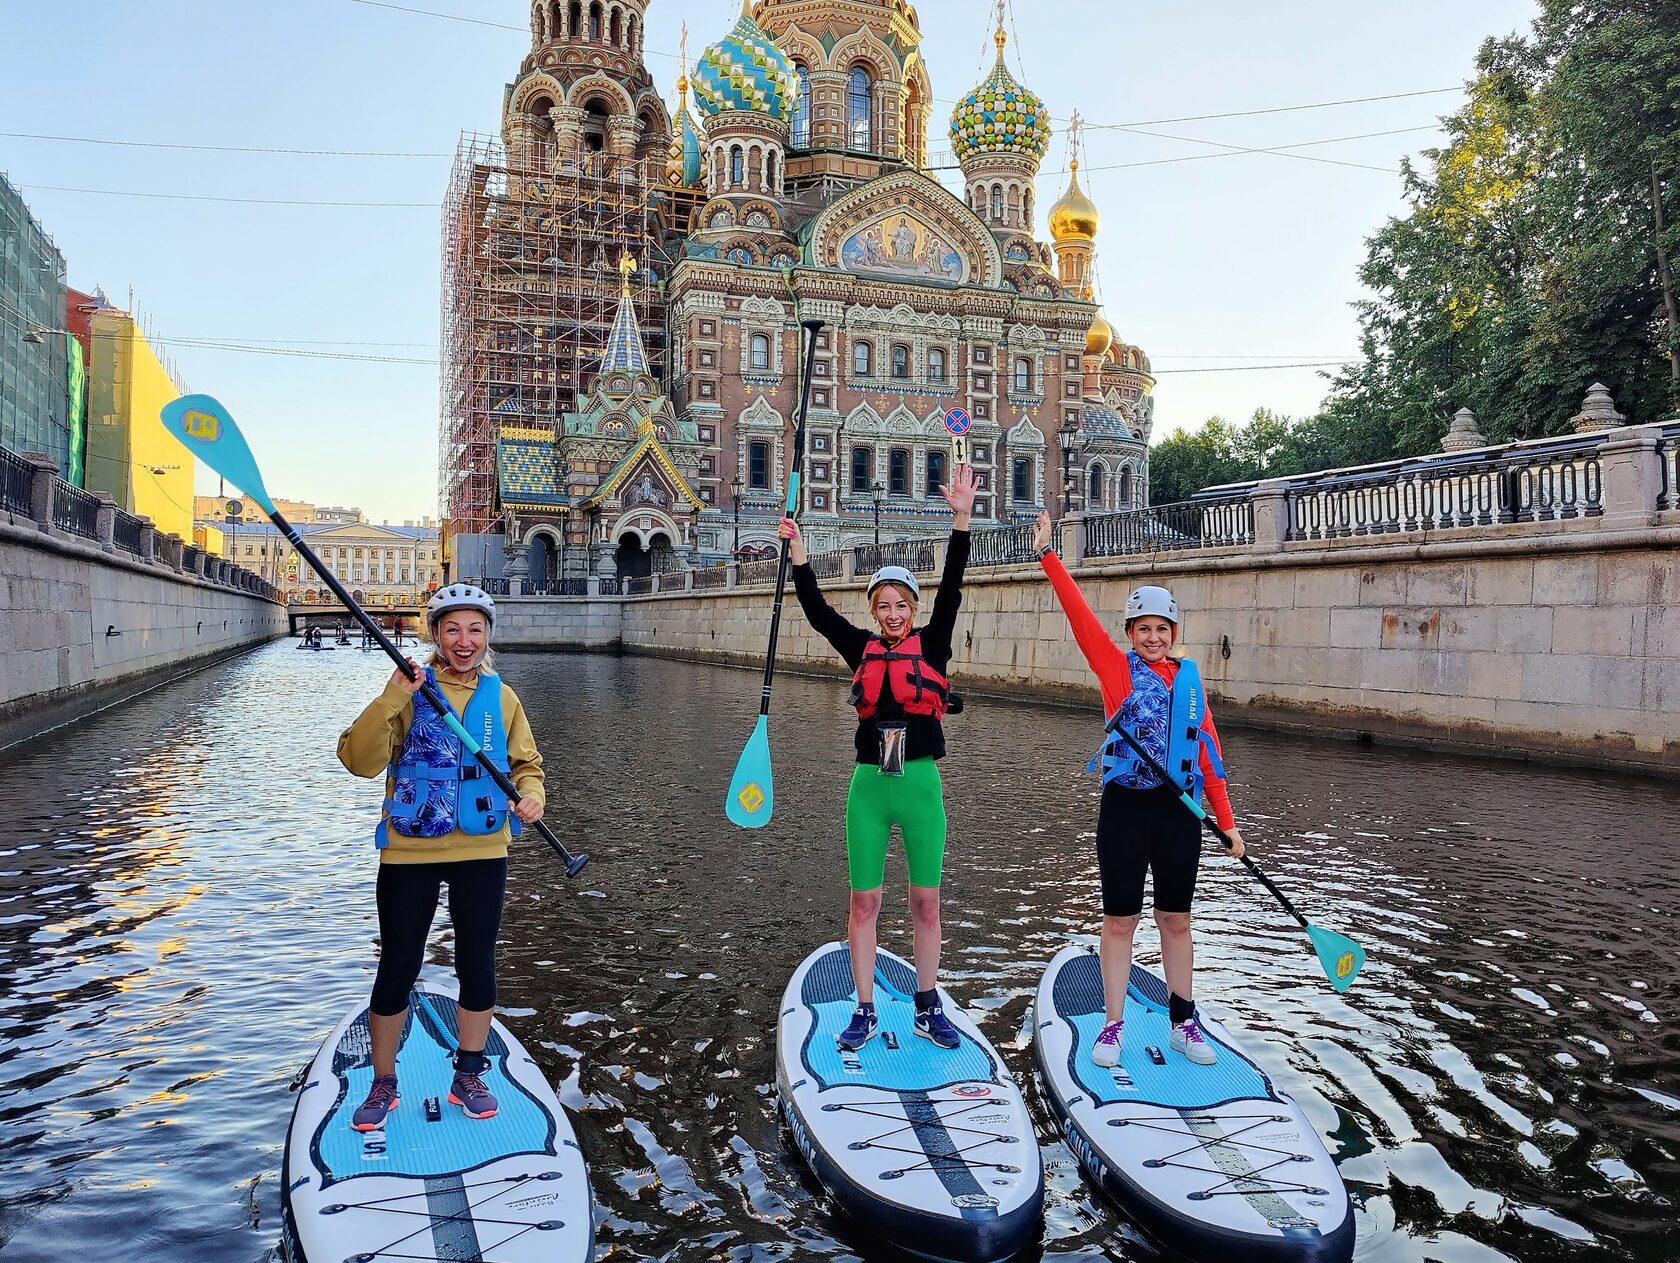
x=861, y=1029
x=382, y=1098
x=468, y=1091
x=931, y=1023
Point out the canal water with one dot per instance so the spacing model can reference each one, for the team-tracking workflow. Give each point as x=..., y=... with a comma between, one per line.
x=186, y=908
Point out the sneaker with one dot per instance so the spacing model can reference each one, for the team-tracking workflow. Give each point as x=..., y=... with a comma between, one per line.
x=931, y=1023
x=468, y=1091
x=860, y=1031
x=381, y=1100
x=1106, y=1051
x=1187, y=1039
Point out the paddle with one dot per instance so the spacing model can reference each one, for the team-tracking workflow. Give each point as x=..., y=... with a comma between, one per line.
x=1340, y=956
x=752, y=793
x=209, y=433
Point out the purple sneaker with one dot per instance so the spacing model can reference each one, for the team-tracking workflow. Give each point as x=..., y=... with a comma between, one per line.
x=1105, y=1052
x=382, y=1098
x=1187, y=1039
x=468, y=1091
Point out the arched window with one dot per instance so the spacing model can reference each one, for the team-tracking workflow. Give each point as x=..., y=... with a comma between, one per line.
x=595, y=21
x=915, y=146
x=863, y=359
x=759, y=354
x=936, y=365
x=770, y=172
x=574, y=19
x=614, y=27
x=901, y=361
x=758, y=466
x=997, y=203
x=863, y=469
x=737, y=166
x=935, y=473
x=1094, y=498
x=898, y=472
x=802, y=110
x=1023, y=376
x=1126, y=487
x=630, y=34
x=1020, y=482
x=860, y=110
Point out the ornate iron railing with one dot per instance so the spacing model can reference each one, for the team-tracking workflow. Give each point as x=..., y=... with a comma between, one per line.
x=641, y=585
x=1001, y=546
x=711, y=577
x=751, y=573
x=495, y=587
x=75, y=511
x=611, y=586
x=1535, y=482
x=17, y=478
x=1215, y=522
x=915, y=555
x=829, y=565
x=125, y=532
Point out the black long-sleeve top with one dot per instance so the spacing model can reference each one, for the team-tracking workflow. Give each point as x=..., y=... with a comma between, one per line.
x=924, y=736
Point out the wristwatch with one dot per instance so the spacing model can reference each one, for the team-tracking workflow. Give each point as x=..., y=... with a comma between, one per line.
x=1046, y=551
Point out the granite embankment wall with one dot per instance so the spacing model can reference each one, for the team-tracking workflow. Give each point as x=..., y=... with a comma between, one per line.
x=1518, y=601
x=87, y=622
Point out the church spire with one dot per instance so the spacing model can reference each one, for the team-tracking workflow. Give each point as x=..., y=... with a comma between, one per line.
x=625, y=352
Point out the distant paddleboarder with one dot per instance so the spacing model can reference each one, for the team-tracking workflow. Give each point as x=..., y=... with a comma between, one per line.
x=1142, y=825
x=444, y=823
x=901, y=692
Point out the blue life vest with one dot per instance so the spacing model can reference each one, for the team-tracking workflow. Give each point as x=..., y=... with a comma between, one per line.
x=1165, y=721
x=436, y=786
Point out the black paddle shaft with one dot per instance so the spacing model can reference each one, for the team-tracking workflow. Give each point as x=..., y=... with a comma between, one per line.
x=503, y=781
x=1224, y=838
x=812, y=329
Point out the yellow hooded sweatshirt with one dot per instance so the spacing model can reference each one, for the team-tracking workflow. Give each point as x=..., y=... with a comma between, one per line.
x=370, y=744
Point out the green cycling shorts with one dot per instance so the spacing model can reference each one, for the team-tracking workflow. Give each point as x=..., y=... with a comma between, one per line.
x=915, y=802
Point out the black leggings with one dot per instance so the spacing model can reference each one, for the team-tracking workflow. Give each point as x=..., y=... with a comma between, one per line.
x=1143, y=829
x=408, y=898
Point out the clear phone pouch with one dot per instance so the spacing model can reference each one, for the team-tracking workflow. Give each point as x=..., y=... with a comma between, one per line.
x=892, y=737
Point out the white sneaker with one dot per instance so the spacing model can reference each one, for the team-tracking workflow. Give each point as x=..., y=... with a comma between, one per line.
x=1105, y=1052
x=1187, y=1039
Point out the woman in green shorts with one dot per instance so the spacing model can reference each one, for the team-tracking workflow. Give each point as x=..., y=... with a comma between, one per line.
x=900, y=690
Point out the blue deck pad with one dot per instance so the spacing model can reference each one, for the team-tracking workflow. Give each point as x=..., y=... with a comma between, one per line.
x=409, y=1144
x=1180, y=1083
x=916, y=1065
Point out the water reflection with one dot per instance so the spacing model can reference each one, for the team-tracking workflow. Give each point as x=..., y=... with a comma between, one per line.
x=186, y=908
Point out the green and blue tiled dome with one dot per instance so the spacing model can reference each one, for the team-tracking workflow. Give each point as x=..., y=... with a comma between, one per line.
x=1000, y=116
x=746, y=71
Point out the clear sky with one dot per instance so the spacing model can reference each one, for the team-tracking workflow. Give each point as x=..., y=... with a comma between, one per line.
x=1226, y=261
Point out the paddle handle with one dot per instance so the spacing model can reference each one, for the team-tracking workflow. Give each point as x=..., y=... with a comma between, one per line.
x=1196, y=809
x=574, y=863
x=812, y=329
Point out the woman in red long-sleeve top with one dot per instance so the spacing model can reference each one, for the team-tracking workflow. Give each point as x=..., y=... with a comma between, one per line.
x=1142, y=825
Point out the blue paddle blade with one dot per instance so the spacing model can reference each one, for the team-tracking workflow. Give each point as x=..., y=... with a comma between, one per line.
x=208, y=431
x=1341, y=957
x=752, y=797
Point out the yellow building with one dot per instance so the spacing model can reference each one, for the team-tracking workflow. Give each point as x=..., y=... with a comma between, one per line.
x=214, y=508
x=380, y=564
x=129, y=453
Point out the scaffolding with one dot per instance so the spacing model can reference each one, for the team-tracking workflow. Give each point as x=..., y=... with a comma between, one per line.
x=530, y=288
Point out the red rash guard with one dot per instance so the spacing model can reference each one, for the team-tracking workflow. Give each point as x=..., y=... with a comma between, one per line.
x=1114, y=673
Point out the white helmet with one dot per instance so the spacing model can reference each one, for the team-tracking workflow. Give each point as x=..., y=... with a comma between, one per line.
x=894, y=574
x=1151, y=601
x=460, y=596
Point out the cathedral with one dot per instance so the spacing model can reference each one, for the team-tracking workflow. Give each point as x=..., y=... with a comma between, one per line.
x=625, y=279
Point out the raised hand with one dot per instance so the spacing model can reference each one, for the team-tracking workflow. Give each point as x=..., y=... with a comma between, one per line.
x=960, y=495
x=789, y=530
x=1042, y=530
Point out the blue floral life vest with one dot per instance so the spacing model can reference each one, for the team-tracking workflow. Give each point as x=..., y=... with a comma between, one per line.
x=436, y=786
x=1165, y=721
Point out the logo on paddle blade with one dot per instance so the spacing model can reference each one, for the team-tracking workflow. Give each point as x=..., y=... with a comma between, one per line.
x=1344, y=964
x=205, y=426
x=751, y=798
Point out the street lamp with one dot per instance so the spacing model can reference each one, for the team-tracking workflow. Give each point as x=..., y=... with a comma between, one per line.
x=35, y=337
x=1067, y=436
x=735, y=497
x=876, y=491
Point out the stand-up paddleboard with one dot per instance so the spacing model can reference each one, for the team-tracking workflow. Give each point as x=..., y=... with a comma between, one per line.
x=1212, y=1162
x=928, y=1149
x=433, y=1184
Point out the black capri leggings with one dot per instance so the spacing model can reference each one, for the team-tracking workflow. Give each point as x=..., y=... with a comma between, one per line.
x=408, y=898
x=1143, y=829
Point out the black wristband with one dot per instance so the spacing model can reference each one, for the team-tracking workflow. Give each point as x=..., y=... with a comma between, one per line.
x=1045, y=551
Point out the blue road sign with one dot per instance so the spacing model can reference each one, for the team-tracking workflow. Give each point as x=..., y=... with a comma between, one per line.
x=957, y=421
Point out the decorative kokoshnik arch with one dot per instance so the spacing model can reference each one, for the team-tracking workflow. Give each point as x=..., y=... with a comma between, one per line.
x=904, y=225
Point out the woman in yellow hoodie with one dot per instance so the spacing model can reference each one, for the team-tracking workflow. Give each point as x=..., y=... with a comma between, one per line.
x=444, y=823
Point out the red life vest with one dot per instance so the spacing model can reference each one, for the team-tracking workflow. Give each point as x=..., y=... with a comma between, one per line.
x=916, y=687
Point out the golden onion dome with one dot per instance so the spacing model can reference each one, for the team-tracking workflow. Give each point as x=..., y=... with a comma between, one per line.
x=1075, y=215
x=1099, y=337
